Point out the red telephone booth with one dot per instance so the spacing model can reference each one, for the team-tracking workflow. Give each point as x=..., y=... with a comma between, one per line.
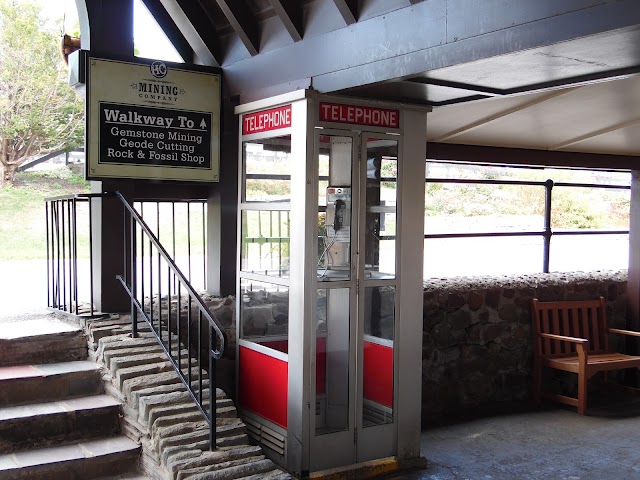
x=329, y=294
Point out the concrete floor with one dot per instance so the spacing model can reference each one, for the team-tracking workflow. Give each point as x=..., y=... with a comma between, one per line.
x=553, y=444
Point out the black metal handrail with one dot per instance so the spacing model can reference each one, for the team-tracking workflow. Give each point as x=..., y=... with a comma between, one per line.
x=62, y=238
x=145, y=209
x=548, y=232
x=63, y=234
x=161, y=325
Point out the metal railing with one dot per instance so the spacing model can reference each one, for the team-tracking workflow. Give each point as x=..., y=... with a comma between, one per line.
x=547, y=232
x=170, y=219
x=176, y=315
x=164, y=321
x=179, y=224
x=68, y=241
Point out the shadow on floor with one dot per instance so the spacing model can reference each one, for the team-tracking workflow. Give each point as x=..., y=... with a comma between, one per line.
x=552, y=443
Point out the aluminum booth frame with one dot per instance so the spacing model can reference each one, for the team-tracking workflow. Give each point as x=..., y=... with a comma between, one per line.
x=329, y=288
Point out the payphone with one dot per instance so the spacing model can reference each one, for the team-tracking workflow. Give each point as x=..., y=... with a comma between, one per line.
x=337, y=229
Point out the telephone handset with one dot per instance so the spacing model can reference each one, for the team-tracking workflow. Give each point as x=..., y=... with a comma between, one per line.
x=339, y=214
x=337, y=228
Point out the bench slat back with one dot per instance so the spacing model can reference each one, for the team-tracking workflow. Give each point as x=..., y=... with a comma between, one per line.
x=577, y=318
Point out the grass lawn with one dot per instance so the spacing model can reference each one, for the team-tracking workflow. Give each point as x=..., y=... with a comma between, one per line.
x=23, y=223
x=22, y=211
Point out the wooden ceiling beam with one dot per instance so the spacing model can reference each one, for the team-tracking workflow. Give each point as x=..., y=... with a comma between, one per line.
x=195, y=25
x=290, y=13
x=170, y=29
x=496, y=116
x=449, y=152
x=596, y=133
x=243, y=23
x=348, y=9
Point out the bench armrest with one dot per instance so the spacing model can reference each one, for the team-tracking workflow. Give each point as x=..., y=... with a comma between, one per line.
x=624, y=332
x=552, y=336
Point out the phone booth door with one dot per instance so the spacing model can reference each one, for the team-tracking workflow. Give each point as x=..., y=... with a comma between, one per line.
x=357, y=292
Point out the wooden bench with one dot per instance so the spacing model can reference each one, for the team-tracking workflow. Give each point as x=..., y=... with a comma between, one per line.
x=573, y=336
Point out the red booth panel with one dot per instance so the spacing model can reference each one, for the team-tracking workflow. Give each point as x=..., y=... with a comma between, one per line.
x=378, y=373
x=262, y=388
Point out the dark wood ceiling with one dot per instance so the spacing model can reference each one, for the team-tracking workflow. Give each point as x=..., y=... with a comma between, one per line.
x=505, y=64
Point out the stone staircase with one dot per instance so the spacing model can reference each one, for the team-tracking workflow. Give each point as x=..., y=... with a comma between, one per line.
x=56, y=422
x=160, y=414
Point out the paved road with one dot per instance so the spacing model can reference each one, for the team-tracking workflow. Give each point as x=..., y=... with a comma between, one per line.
x=23, y=290
x=23, y=284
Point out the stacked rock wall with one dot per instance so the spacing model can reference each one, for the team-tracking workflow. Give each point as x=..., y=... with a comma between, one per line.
x=477, y=341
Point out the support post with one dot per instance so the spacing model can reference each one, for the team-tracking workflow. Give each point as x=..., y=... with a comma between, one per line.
x=107, y=28
x=110, y=245
x=223, y=210
x=214, y=242
x=633, y=279
x=409, y=351
x=633, y=275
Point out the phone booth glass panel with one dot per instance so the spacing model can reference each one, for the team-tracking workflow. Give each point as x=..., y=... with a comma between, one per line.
x=263, y=293
x=329, y=311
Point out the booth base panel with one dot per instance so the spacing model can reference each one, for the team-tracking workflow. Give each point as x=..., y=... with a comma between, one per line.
x=272, y=438
x=375, y=414
x=371, y=469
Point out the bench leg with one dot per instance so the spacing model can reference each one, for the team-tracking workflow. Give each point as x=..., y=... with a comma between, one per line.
x=582, y=392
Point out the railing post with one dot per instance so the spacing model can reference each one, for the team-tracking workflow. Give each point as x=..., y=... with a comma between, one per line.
x=134, y=277
x=548, y=187
x=56, y=218
x=212, y=393
x=74, y=208
x=46, y=216
x=89, y=203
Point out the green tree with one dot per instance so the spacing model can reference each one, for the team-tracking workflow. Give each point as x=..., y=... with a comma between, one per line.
x=39, y=112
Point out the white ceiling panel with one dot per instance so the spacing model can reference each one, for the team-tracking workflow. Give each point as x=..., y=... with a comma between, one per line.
x=598, y=118
x=625, y=141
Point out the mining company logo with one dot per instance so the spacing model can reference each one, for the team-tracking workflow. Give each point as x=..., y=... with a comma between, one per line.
x=158, y=69
x=158, y=91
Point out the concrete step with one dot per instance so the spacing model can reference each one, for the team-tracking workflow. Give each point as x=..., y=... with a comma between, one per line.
x=275, y=474
x=176, y=386
x=112, y=356
x=51, y=381
x=40, y=341
x=203, y=444
x=124, y=374
x=138, y=359
x=83, y=460
x=100, y=331
x=125, y=341
x=229, y=470
x=41, y=424
x=126, y=476
x=141, y=382
x=149, y=402
x=196, y=459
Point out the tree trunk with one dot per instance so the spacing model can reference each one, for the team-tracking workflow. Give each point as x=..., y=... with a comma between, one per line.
x=7, y=174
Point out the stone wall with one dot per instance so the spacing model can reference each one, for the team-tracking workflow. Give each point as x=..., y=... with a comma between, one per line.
x=477, y=341
x=477, y=344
